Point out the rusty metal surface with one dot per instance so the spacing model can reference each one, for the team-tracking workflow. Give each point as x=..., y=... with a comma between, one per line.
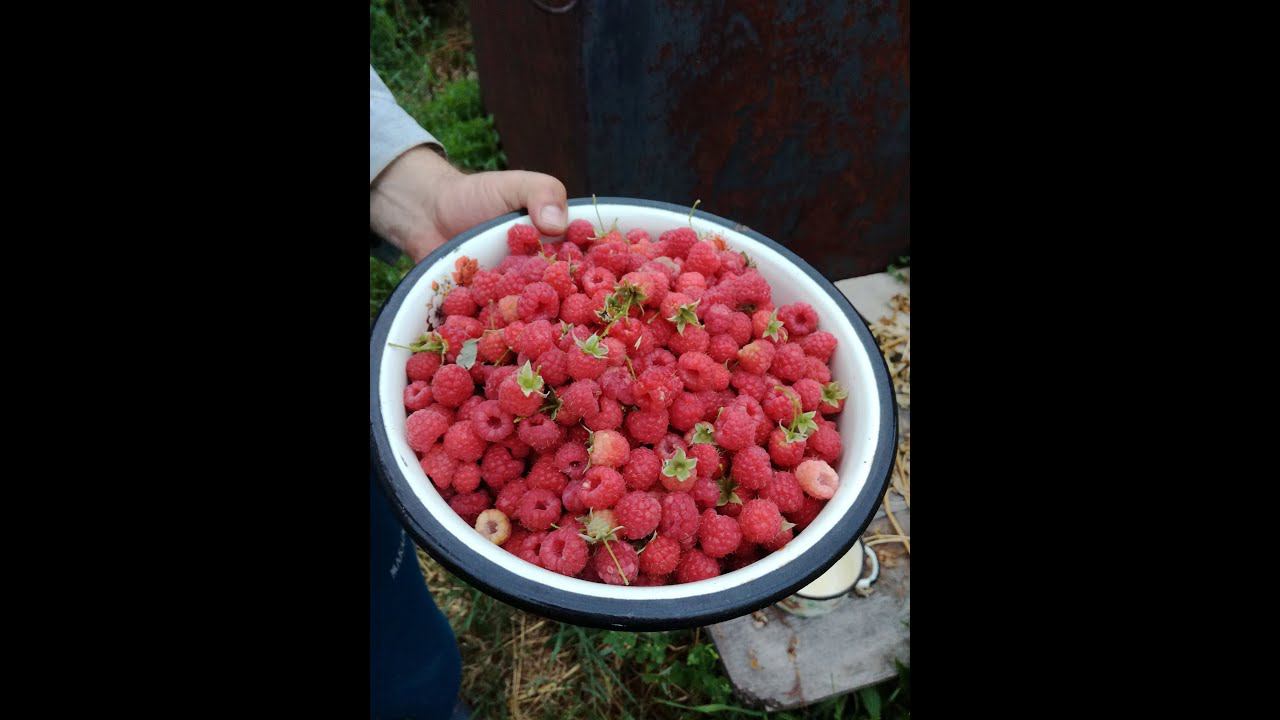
x=791, y=117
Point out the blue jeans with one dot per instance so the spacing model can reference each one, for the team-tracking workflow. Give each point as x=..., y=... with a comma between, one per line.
x=414, y=665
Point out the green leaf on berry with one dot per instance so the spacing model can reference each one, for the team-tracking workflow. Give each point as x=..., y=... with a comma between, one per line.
x=679, y=466
x=789, y=435
x=592, y=346
x=774, y=329
x=832, y=393
x=529, y=381
x=428, y=342
x=686, y=315
x=728, y=491
x=467, y=355
x=598, y=527
x=703, y=434
x=803, y=424
x=565, y=328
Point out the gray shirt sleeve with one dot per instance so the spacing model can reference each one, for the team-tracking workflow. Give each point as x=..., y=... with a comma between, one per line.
x=392, y=131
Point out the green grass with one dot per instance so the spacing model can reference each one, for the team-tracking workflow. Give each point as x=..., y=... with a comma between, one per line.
x=516, y=664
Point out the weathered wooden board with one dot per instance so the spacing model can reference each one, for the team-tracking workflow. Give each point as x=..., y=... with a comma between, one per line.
x=782, y=661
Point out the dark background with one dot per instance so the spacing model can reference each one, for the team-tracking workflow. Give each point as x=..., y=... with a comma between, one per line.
x=792, y=118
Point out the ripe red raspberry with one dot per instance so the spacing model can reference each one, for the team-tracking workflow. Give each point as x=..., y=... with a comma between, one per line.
x=751, y=468
x=679, y=517
x=638, y=235
x=466, y=477
x=467, y=407
x=612, y=254
x=579, y=401
x=656, y=388
x=735, y=429
x=490, y=421
x=807, y=512
x=451, y=385
x=557, y=276
x=693, y=339
x=647, y=426
x=817, y=370
x=470, y=505
x=708, y=460
x=672, y=306
x=660, y=556
x=538, y=300
x=563, y=551
x=609, y=448
x=789, y=362
x=422, y=366
x=438, y=466
x=568, y=339
x=654, y=286
x=545, y=476
x=695, y=566
x=686, y=411
x=417, y=395
x=538, y=509
x=616, y=353
x=778, y=541
x=760, y=520
x=718, y=535
x=705, y=492
x=587, y=364
x=602, y=487
x=747, y=553
x=485, y=285
x=459, y=302
x=580, y=232
x=577, y=309
x=514, y=400
x=780, y=404
x=424, y=427
x=618, y=568
x=642, y=468
x=702, y=258
x=492, y=347
x=615, y=383
x=784, y=491
x=526, y=548
x=638, y=513
x=540, y=432
x=820, y=344
x=750, y=289
x=457, y=329
x=536, y=338
x=498, y=468
x=799, y=318
x=462, y=443
x=687, y=281
x=817, y=478
x=519, y=448
x=533, y=268
x=699, y=372
x=523, y=239
x=508, y=309
x=756, y=413
x=722, y=347
x=785, y=454
x=676, y=243
x=810, y=393
x=571, y=497
x=740, y=328
x=749, y=384
x=598, y=278
x=495, y=379
x=718, y=318
x=756, y=357
x=608, y=418
x=571, y=459
x=825, y=442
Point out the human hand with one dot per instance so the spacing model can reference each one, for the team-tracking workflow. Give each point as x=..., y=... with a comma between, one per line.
x=420, y=201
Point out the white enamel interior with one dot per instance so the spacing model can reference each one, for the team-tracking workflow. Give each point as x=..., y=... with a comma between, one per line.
x=850, y=365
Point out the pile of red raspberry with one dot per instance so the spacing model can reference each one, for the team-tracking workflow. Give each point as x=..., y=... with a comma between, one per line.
x=625, y=410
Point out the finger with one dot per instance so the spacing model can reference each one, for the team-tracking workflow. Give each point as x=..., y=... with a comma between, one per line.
x=543, y=195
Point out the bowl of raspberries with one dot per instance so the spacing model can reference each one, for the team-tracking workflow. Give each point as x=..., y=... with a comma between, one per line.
x=662, y=419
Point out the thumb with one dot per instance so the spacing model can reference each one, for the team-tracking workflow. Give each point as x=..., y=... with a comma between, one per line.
x=543, y=195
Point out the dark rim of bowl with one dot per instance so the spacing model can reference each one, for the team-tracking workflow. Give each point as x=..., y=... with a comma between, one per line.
x=602, y=612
